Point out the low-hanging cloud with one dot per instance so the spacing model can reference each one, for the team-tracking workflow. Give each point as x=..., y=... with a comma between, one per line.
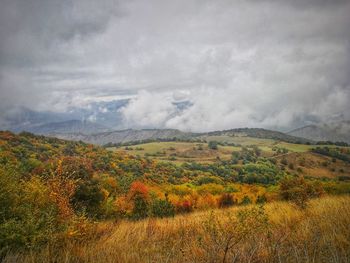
x=217, y=109
x=238, y=63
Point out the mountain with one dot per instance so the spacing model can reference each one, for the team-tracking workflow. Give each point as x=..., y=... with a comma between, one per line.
x=103, y=113
x=71, y=126
x=132, y=135
x=335, y=132
x=124, y=136
x=102, y=123
x=106, y=114
x=21, y=118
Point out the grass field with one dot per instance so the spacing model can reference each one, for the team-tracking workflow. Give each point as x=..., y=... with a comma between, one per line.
x=179, y=152
x=299, y=159
x=278, y=233
x=242, y=140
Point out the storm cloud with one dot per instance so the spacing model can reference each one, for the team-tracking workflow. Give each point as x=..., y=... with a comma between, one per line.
x=266, y=63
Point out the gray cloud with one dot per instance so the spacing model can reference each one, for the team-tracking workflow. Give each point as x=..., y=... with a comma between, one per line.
x=240, y=63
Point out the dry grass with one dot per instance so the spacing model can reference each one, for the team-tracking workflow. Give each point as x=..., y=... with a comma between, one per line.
x=320, y=233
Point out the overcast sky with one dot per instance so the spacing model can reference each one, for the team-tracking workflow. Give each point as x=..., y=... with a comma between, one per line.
x=256, y=63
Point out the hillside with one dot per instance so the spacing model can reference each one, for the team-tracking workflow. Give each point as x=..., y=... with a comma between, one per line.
x=67, y=127
x=131, y=135
x=57, y=191
x=335, y=132
x=124, y=136
x=260, y=133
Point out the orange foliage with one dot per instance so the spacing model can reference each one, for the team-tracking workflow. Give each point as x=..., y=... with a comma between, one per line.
x=206, y=201
x=61, y=191
x=138, y=188
x=123, y=205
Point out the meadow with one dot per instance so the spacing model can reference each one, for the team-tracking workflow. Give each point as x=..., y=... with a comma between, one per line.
x=299, y=158
x=178, y=152
x=276, y=232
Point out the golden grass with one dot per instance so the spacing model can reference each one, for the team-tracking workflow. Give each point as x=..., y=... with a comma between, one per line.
x=320, y=233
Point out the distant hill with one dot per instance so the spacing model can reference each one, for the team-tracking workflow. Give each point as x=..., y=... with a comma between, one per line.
x=106, y=114
x=132, y=135
x=64, y=127
x=262, y=134
x=335, y=132
x=124, y=136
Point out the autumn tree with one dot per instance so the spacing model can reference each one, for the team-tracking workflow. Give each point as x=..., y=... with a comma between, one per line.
x=138, y=194
x=299, y=191
x=162, y=207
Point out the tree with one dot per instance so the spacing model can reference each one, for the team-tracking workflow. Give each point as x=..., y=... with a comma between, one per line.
x=162, y=208
x=299, y=191
x=140, y=209
x=88, y=197
x=138, y=194
x=213, y=145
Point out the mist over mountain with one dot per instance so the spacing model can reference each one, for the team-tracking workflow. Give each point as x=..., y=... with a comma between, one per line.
x=92, y=118
x=105, y=122
x=335, y=132
x=102, y=114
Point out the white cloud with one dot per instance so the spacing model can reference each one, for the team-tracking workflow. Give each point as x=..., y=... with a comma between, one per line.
x=148, y=110
x=241, y=63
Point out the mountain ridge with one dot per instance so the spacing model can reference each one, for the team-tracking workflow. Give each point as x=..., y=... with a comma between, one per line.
x=130, y=135
x=335, y=132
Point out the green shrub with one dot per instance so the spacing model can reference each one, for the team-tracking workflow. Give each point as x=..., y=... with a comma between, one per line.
x=213, y=145
x=28, y=217
x=162, y=208
x=246, y=200
x=140, y=209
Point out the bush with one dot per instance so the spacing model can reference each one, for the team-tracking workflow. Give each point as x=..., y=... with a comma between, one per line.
x=213, y=145
x=246, y=200
x=227, y=234
x=162, y=208
x=140, y=209
x=28, y=216
x=226, y=200
x=299, y=191
x=138, y=193
x=284, y=161
x=261, y=199
x=88, y=197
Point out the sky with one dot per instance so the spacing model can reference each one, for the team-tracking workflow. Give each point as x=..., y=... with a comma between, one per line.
x=251, y=63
